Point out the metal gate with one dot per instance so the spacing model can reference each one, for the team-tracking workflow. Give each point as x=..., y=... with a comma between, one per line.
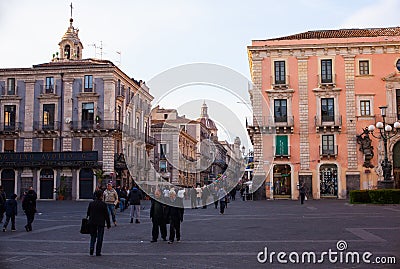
x=328, y=180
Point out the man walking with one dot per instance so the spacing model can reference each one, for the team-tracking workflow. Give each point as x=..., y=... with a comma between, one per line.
x=134, y=197
x=11, y=212
x=111, y=199
x=302, y=190
x=157, y=215
x=29, y=207
x=98, y=215
x=2, y=203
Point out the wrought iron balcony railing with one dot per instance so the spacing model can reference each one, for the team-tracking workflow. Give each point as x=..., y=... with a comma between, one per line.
x=10, y=126
x=43, y=126
x=96, y=125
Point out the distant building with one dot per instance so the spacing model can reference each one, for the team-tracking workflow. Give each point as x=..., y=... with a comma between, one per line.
x=62, y=124
x=175, y=154
x=323, y=88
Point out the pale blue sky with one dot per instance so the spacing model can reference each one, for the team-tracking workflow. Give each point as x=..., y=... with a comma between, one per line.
x=153, y=36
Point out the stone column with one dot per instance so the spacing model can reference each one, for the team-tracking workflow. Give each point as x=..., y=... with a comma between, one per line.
x=29, y=110
x=67, y=110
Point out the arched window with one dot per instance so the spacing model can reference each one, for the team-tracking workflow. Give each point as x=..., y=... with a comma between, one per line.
x=67, y=52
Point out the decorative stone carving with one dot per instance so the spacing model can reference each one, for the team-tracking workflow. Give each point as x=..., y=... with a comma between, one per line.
x=365, y=147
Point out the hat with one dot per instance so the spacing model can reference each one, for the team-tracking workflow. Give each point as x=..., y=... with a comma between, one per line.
x=181, y=193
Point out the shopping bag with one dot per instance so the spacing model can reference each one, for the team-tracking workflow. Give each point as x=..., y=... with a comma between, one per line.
x=85, y=228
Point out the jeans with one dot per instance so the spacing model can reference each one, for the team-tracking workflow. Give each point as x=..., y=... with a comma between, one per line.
x=135, y=212
x=97, y=233
x=121, y=204
x=111, y=210
x=8, y=217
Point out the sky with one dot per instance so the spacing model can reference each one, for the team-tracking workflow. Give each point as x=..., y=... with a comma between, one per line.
x=147, y=38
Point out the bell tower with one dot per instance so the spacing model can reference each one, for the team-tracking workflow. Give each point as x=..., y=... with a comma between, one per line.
x=70, y=45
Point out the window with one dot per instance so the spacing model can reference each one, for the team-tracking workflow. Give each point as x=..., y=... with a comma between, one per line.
x=398, y=65
x=364, y=67
x=280, y=73
x=49, y=88
x=281, y=145
x=119, y=93
x=67, y=51
x=87, y=115
x=9, y=117
x=9, y=145
x=87, y=144
x=163, y=166
x=327, y=109
x=165, y=116
x=11, y=86
x=365, y=108
x=182, y=127
x=328, y=145
x=280, y=110
x=47, y=145
x=326, y=71
x=398, y=103
x=88, y=87
x=163, y=151
x=48, y=116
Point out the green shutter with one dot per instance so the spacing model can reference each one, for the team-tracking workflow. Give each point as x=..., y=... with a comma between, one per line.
x=281, y=145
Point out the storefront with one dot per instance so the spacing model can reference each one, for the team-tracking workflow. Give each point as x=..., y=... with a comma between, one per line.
x=46, y=184
x=8, y=181
x=282, y=181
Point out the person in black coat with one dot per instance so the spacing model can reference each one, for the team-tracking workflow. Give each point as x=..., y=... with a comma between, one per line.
x=97, y=213
x=134, y=197
x=11, y=212
x=174, y=215
x=29, y=207
x=2, y=203
x=157, y=215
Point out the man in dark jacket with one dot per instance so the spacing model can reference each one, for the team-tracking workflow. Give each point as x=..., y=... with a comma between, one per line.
x=11, y=212
x=174, y=215
x=157, y=215
x=29, y=207
x=2, y=203
x=134, y=197
x=97, y=213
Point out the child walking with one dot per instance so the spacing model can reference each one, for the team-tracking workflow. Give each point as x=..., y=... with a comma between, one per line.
x=11, y=212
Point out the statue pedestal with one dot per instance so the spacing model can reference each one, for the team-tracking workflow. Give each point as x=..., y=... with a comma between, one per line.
x=386, y=184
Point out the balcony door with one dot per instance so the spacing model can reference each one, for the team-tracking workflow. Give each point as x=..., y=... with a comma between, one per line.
x=87, y=115
x=9, y=117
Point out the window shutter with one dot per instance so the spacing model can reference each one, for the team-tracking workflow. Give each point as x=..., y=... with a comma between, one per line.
x=281, y=145
x=47, y=145
x=87, y=144
x=9, y=146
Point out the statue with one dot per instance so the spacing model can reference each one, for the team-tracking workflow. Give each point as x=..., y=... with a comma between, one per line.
x=365, y=147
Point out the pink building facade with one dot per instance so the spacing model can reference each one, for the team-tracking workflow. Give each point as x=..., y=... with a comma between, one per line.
x=313, y=93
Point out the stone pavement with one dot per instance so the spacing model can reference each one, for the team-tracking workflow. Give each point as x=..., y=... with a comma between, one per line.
x=211, y=240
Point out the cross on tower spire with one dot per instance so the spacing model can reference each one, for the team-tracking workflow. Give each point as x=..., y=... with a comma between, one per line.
x=71, y=9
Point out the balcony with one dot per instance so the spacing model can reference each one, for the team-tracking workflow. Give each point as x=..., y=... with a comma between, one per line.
x=119, y=161
x=48, y=89
x=279, y=125
x=282, y=152
x=328, y=152
x=280, y=84
x=101, y=125
x=10, y=127
x=41, y=127
x=150, y=141
x=326, y=82
x=328, y=123
x=9, y=93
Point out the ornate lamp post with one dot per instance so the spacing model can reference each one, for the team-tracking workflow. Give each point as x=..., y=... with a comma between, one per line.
x=385, y=134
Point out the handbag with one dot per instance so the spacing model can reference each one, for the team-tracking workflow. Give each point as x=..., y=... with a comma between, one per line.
x=85, y=227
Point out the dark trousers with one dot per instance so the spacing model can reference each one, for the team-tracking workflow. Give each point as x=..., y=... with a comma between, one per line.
x=30, y=216
x=174, y=227
x=8, y=217
x=222, y=205
x=97, y=232
x=302, y=197
x=159, y=226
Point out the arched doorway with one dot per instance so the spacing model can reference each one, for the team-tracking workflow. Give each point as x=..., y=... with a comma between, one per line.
x=86, y=183
x=282, y=181
x=8, y=181
x=46, y=184
x=328, y=176
x=396, y=165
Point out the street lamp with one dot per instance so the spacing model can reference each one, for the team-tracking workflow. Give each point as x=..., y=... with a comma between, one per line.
x=385, y=134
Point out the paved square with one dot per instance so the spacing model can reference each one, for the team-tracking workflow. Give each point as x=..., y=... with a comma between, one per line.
x=209, y=240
